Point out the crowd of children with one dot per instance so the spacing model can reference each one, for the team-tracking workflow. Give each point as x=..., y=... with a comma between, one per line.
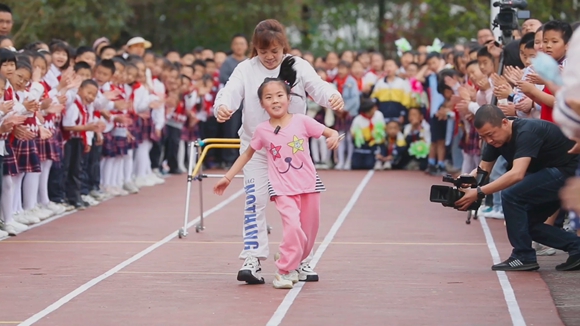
x=81, y=125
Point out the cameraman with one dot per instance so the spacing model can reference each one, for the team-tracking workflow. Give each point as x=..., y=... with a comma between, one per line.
x=539, y=162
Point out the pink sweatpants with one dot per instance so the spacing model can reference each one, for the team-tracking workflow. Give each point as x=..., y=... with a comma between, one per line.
x=300, y=219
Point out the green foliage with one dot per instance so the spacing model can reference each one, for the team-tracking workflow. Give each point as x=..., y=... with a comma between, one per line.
x=330, y=25
x=76, y=21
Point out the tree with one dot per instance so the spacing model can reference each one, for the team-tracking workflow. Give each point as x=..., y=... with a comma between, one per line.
x=76, y=21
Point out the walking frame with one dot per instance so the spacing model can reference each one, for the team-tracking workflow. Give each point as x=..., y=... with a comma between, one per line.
x=197, y=152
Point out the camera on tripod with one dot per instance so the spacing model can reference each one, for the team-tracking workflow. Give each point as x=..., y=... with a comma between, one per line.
x=507, y=18
x=447, y=196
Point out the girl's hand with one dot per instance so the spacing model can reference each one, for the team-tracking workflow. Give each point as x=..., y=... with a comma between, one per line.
x=524, y=105
x=44, y=133
x=87, y=148
x=55, y=108
x=22, y=133
x=36, y=75
x=526, y=87
x=221, y=186
x=502, y=91
x=130, y=137
x=223, y=114
x=336, y=102
x=7, y=106
x=508, y=109
x=535, y=79
x=31, y=105
x=332, y=142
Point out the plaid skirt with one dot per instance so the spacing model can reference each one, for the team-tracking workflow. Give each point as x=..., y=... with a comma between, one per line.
x=145, y=127
x=108, y=145
x=26, y=156
x=121, y=146
x=10, y=167
x=48, y=149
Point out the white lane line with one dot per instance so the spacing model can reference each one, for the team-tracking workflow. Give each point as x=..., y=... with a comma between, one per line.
x=508, y=291
x=112, y=271
x=285, y=305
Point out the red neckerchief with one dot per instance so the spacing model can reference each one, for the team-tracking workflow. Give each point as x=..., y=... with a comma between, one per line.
x=370, y=119
x=9, y=94
x=391, y=146
x=84, y=119
x=340, y=83
x=359, y=83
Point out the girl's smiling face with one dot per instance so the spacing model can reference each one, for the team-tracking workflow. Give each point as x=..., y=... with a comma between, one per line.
x=40, y=63
x=20, y=79
x=8, y=68
x=59, y=58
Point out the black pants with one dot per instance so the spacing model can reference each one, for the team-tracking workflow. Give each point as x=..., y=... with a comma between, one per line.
x=56, y=188
x=72, y=163
x=527, y=205
x=172, y=140
x=94, y=167
x=155, y=155
x=229, y=129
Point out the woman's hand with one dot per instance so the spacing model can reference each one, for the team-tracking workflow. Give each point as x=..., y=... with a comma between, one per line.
x=336, y=102
x=223, y=114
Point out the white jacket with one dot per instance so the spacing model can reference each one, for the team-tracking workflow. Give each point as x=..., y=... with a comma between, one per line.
x=242, y=88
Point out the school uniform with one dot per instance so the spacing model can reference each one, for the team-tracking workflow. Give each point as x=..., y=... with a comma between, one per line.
x=158, y=117
x=173, y=129
x=26, y=153
x=76, y=114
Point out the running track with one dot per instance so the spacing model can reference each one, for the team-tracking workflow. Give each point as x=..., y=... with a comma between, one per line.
x=385, y=255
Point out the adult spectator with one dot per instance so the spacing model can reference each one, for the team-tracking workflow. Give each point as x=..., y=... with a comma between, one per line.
x=230, y=128
x=539, y=163
x=484, y=36
x=6, y=21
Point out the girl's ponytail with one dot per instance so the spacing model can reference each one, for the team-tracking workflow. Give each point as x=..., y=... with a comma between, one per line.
x=287, y=72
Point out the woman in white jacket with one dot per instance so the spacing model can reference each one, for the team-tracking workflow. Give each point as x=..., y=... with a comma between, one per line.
x=269, y=47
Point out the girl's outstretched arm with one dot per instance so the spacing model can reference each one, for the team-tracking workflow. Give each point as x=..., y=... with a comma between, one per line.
x=238, y=165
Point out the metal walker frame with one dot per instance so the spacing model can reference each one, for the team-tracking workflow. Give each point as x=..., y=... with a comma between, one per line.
x=195, y=173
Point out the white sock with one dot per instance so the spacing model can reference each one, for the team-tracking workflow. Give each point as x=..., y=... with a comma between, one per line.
x=128, y=167
x=7, y=199
x=17, y=198
x=30, y=186
x=43, y=184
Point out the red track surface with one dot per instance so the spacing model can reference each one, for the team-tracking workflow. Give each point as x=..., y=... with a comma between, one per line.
x=396, y=260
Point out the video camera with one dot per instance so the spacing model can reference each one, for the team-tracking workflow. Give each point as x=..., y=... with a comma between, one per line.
x=447, y=196
x=507, y=18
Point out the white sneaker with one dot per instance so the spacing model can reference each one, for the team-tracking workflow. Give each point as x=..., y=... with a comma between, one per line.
x=542, y=250
x=283, y=281
x=307, y=273
x=251, y=271
x=130, y=188
x=97, y=195
x=387, y=166
x=55, y=208
x=378, y=166
x=14, y=228
x=40, y=213
x=155, y=179
x=339, y=166
x=494, y=214
x=141, y=182
x=4, y=234
x=90, y=200
x=27, y=219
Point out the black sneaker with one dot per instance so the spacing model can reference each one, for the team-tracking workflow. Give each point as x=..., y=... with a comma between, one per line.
x=513, y=264
x=571, y=264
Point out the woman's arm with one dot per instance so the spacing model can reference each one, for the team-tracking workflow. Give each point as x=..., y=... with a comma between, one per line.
x=320, y=90
x=232, y=94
